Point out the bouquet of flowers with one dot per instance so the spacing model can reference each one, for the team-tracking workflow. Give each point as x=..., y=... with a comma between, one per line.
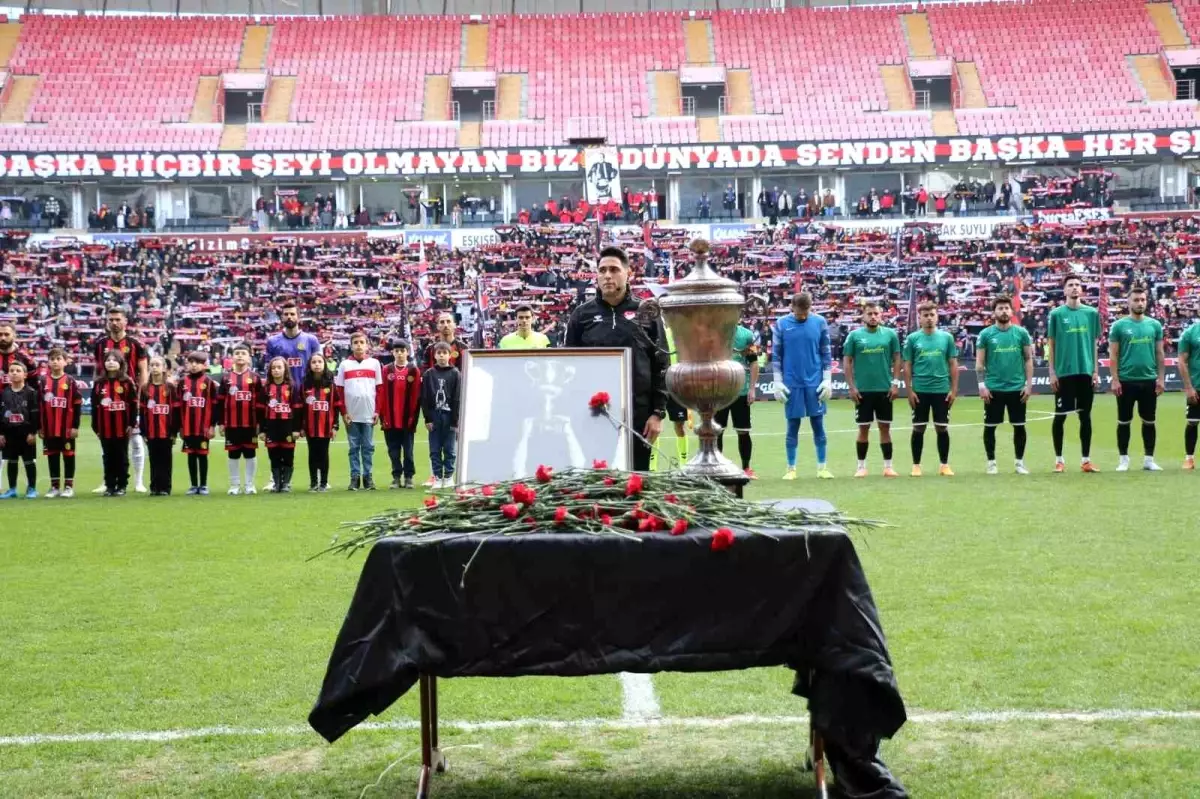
x=596, y=501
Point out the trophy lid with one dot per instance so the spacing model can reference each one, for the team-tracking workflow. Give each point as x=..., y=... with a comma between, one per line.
x=702, y=286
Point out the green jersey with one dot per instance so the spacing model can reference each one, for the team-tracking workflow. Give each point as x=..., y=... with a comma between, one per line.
x=514, y=341
x=743, y=340
x=1137, y=347
x=1005, y=356
x=873, y=354
x=930, y=354
x=1189, y=348
x=1074, y=332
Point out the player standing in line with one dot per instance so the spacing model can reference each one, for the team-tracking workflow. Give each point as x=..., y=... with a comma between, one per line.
x=400, y=410
x=1004, y=366
x=239, y=391
x=447, y=331
x=198, y=402
x=872, y=364
x=676, y=413
x=1189, y=375
x=931, y=374
x=745, y=352
x=1072, y=339
x=62, y=404
x=10, y=351
x=18, y=430
x=279, y=409
x=1138, y=361
x=293, y=345
x=803, y=367
x=114, y=414
x=138, y=365
x=160, y=425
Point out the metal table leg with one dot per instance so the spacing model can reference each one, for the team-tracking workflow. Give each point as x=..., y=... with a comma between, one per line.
x=431, y=759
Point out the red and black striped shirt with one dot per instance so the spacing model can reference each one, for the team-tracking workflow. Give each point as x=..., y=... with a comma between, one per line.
x=160, y=412
x=130, y=348
x=239, y=400
x=114, y=407
x=321, y=409
x=278, y=402
x=62, y=406
x=19, y=355
x=197, y=398
x=401, y=406
x=457, y=348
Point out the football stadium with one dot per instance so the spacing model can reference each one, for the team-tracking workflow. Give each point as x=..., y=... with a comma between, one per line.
x=532, y=400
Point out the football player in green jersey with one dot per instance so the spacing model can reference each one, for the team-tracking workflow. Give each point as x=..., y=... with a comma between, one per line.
x=1138, y=363
x=1004, y=365
x=1189, y=374
x=1072, y=339
x=931, y=373
x=872, y=365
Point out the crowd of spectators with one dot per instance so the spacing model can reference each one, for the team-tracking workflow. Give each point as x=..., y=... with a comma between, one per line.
x=183, y=298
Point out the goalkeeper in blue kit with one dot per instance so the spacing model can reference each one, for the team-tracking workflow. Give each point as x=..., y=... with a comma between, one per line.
x=803, y=364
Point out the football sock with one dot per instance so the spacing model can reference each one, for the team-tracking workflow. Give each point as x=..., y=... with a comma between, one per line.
x=989, y=442
x=790, y=440
x=138, y=456
x=1189, y=438
x=819, y=439
x=1122, y=438
x=745, y=447
x=1019, y=439
x=918, y=444
x=1085, y=432
x=1149, y=438
x=234, y=473
x=1056, y=432
x=31, y=472
x=943, y=445
x=861, y=448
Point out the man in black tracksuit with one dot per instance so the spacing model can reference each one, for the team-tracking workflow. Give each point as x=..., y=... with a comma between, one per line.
x=610, y=320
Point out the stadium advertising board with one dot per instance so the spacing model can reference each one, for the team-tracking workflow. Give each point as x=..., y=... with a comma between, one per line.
x=648, y=160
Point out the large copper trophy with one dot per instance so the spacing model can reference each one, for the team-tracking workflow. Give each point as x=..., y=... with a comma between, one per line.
x=703, y=311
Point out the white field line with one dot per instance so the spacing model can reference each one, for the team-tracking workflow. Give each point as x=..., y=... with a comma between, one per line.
x=935, y=717
x=638, y=701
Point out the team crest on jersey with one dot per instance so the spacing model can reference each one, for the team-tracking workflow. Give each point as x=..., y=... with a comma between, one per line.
x=151, y=404
x=203, y=445
x=106, y=401
x=187, y=396
x=48, y=396
x=62, y=386
x=120, y=389
x=597, y=318
x=391, y=377
x=301, y=346
x=310, y=399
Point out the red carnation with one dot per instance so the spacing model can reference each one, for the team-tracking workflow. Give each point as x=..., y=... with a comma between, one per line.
x=414, y=520
x=523, y=494
x=488, y=491
x=634, y=486
x=510, y=511
x=579, y=495
x=431, y=502
x=645, y=525
x=608, y=481
x=543, y=474
x=560, y=514
x=599, y=464
x=722, y=539
x=671, y=498
x=679, y=527
x=606, y=519
x=599, y=401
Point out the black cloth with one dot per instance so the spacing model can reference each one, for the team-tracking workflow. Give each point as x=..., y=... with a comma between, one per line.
x=1001, y=402
x=595, y=323
x=574, y=604
x=873, y=406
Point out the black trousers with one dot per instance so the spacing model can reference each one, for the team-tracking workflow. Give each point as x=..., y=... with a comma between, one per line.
x=641, y=452
x=116, y=463
x=162, y=459
x=318, y=461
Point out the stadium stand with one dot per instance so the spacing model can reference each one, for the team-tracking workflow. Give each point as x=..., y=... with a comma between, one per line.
x=184, y=298
x=130, y=83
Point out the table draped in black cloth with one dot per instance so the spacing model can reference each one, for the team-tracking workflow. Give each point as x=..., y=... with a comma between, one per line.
x=574, y=604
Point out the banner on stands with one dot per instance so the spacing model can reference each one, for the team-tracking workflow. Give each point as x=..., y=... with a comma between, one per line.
x=950, y=228
x=602, y=167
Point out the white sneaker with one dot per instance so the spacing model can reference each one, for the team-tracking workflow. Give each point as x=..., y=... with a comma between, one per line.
x=68, y=493
x=1151, y=466
x=99, y=490
x=991, y=468
x=52, y=493
x=269, y=487
x=1021, y=469
x=234, y=491
x=250, y=490
x=1123, y=464
x=140, y=488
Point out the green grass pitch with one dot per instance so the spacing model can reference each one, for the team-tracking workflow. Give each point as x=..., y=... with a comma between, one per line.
x=1042, y=596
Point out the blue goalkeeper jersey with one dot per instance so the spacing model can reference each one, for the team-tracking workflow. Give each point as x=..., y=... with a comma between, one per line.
x=801, y=351
x=296, y=350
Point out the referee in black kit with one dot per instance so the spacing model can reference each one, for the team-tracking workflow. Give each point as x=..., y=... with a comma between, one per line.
x=610, y=320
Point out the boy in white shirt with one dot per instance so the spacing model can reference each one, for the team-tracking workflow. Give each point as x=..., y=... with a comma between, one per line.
x=359, y=381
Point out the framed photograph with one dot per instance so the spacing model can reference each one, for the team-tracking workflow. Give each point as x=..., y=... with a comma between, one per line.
x=524, y=408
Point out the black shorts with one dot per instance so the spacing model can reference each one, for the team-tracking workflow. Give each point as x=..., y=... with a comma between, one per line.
x=873, y=406
x=241, y=438
x=931, y=402
x=1139, y=393
x=59, y=446
x=1075, y=393
x=18, y=448
x=675, y=411
x=195, y=445
x=1002, y=401
x=739, y=410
